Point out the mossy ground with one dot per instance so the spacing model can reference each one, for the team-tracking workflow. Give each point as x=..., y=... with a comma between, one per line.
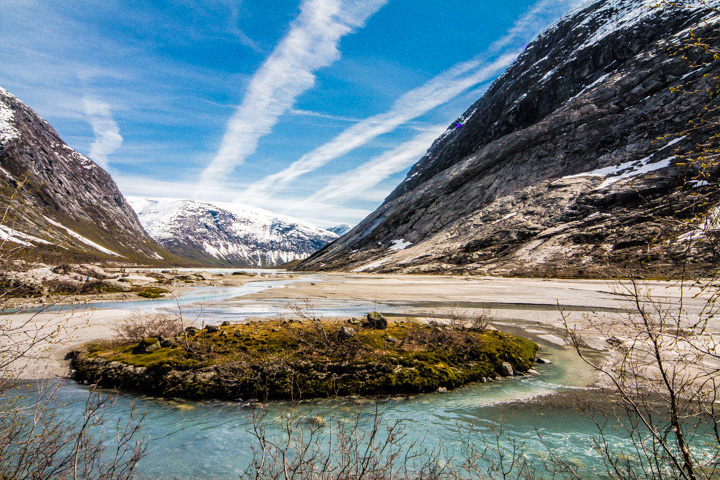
x=293, y=359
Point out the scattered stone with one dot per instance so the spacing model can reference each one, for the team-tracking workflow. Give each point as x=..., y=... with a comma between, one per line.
x=390, y=339
x=442, y=390
x=191, y=330
x=377, y=321
x=225, y=323
x=238, y=333
x=506, y=370
x=346, y=333
x=532, y=371
x=148, y=345
x=212, y=328
x=543, y=361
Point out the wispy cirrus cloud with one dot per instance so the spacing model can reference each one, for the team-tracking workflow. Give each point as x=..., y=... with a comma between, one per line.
x=311, y=43
x=106, y=131
x=310, y=113
x=359, y=180
x=414, y=103
x=409, y=106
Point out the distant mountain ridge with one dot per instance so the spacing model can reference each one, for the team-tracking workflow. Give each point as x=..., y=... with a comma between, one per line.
x=568, y=165
x=340, y=230
x=228, y=234
x=59, y=205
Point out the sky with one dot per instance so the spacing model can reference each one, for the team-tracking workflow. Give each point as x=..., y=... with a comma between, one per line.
x=315, y=109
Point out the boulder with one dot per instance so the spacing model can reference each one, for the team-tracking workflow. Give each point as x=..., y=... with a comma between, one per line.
x=212, y=328
x=377, y=321
x=346, y=333
x=149, y=345
x=506, y=370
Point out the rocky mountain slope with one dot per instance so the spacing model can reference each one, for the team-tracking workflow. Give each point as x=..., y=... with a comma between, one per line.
x=228, y=234
x=570, y=164
x=58, y=205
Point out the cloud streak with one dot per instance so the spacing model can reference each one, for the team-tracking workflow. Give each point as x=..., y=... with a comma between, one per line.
x=106, y=131
x=311, y=43
x=358, y=180
x=438, y=91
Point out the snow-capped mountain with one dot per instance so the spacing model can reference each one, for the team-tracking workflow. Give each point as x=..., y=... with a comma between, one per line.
x=341, y=229
x=228, y=234
x=57, y=204
x=569, y=163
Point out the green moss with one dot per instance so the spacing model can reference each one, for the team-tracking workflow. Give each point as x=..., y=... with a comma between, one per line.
x=152, y=292
x=278, y=359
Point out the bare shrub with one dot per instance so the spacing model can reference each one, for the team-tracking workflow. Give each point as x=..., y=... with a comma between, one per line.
x=663, y=380
x=37, y=443
x=463, y=319
x=142, y=325
x=306, y=311
x=359, y=449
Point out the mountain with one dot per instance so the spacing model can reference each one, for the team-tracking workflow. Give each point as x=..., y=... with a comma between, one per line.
x=228, y=234
x=340, y=230
x=570, y=164
x=58, y=205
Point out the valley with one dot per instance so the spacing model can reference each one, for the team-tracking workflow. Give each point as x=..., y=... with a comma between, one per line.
x=367, y=279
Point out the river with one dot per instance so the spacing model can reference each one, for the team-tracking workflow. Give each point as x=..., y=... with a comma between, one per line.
x=212, y=439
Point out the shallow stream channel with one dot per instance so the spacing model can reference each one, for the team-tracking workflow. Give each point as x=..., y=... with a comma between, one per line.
x=213, y=439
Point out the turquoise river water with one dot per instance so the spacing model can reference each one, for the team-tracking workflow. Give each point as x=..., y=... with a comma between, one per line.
x=212, y=440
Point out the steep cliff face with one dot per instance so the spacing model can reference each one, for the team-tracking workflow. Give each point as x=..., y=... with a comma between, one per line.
x=229, y=235
x=567, y=165
x=57, y=204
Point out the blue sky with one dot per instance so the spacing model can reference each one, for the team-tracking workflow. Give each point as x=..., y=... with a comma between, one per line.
x=311, y=108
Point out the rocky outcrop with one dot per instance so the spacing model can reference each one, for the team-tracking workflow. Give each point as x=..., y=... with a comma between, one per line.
x=569, y=165
x=229, y=234
x=58, y=204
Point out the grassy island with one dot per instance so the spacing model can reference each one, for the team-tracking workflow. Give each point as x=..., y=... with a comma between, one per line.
x=293, y=359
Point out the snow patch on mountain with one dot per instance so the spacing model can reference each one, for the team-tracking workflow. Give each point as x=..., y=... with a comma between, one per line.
x=399, y=245
x=84, y=240
x=8, y=234
x=7, y=130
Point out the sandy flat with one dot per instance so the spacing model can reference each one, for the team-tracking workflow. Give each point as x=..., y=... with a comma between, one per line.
x=522, y=305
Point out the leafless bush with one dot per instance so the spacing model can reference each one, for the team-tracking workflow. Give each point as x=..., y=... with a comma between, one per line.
x=306, y=311
x=142, y=325
x=463, y=319
x=328, y=450
x=663, y=379
x=37, y=443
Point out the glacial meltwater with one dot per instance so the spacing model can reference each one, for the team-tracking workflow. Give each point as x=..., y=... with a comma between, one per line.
x=212, y=439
